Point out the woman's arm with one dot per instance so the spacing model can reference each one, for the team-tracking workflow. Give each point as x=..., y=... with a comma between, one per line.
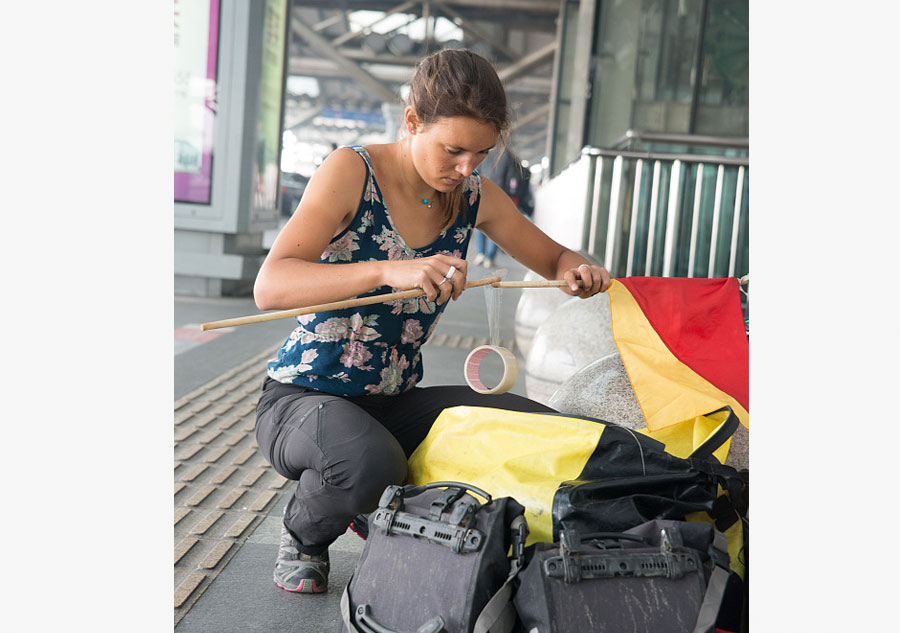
x=500, y=220
x=291, y=277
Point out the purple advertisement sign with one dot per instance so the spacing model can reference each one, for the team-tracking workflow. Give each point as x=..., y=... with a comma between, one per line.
x=194, y=107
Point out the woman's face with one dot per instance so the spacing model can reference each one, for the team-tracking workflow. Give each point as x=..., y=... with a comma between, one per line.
x=448, y=150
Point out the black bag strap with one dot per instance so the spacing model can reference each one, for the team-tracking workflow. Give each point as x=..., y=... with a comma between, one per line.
x=714, y=441
x=712, y=601
x=392, y=493
x=499, y=614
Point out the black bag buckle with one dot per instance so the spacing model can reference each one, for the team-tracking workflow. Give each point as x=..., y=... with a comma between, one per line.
x=612, y=564
x=447, y=499
x=392, y=497
x=671, y=561
x=460, y=539
x=519, y=536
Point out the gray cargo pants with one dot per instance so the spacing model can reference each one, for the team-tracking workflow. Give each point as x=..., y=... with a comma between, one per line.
x=344, y=451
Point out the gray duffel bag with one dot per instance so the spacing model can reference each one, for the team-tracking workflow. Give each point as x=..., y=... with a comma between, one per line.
x=436, y=561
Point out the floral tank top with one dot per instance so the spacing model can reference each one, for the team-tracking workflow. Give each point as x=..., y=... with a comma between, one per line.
x=374, y=349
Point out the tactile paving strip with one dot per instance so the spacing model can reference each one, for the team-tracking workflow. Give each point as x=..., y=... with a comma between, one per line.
x=223, y=487
x=466, y=342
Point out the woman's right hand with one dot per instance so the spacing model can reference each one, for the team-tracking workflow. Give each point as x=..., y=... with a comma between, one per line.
x=429, y=274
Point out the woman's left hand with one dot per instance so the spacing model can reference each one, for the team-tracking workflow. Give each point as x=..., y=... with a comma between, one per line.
x=594, y=278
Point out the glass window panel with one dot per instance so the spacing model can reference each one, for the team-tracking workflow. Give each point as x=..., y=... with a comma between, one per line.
x=667, y=45
x=726, y=54
x=724, y=88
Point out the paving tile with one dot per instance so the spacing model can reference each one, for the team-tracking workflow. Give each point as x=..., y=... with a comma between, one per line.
x=181, y=416
x=184, y=546
x=204, y=419
x=228, y=421
x=182, y=433
x=242, y=457
x=234, y=439
x=234, y=397
x=222, y=408
x=238, y=527
x=199, y=496
x=437, y=339
x=223, y=475
x=245, y=409
x=179, y=487
x=252, y=477
x=190, y=397
x=215, y=454
x=194, y=472
x=215, y=395
x=210, y=436
x=230, y=387
x=231, y=498
x=200, y=405
x=230, y=373
x=180, y=513
x=187, y=587
x=188, y=451
x=215, y=554
x=206, y=522
x=279, y=482
x=259, y=504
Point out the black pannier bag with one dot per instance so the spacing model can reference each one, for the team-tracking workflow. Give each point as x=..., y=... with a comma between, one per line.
x=631, y=479
x=436, y=561
x=660, y=577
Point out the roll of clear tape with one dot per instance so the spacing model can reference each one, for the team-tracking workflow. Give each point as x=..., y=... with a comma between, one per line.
x=473, y=369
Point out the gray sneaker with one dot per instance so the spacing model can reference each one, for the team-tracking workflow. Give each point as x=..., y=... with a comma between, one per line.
x=298, y=572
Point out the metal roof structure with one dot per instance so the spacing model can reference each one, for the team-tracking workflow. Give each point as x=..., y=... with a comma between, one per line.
x=348, y=61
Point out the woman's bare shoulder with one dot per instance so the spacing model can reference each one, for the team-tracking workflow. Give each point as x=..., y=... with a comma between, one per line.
x=343, y=160
x=382, y=154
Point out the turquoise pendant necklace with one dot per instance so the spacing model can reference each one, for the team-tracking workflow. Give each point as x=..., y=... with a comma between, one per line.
x=428, y=202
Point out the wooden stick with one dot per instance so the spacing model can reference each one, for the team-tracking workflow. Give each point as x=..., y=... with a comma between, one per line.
x=336, y=305
x=553, y=283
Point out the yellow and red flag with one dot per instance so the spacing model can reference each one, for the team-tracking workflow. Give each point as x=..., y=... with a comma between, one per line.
x=685, y=349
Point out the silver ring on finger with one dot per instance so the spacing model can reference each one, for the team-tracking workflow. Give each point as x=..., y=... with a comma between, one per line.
x=443, y=280
x=450, y=272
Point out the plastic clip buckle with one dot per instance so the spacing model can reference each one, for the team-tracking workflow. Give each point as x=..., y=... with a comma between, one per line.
x=520, y=535
x=569, y=542
x=392, y=497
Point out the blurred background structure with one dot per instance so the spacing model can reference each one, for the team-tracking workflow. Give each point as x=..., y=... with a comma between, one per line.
x=632, y=118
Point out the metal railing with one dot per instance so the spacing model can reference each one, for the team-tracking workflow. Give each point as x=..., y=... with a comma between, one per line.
x=667, y=214
x=633, y=137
